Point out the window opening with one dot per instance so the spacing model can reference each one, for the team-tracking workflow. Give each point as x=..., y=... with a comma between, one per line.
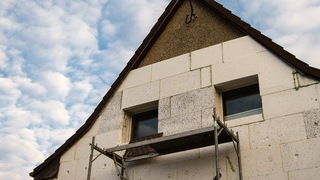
x=245, y=101
x=144, y=124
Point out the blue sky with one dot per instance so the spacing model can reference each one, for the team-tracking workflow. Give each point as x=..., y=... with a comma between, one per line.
x=58, y=58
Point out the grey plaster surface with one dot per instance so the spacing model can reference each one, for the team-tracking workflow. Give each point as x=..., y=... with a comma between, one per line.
x=193, y=101
x=207, y=119
x=312, y=123
x=182, y=123
x=164, y=108
x=112, y=115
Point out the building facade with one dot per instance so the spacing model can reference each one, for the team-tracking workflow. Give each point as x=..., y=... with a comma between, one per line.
x=179, y=76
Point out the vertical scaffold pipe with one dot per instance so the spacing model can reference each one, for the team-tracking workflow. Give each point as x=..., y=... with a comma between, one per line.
x=216, y=144
x=239, y=158
x=90, y=159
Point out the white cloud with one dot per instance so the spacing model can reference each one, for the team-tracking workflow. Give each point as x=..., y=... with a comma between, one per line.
x=18, y=146
x=138, y=19
x=3, y=60
x=84, y=36
x=51, y=58
x=146, y=13
x=16, y=118
x=48, y=36
x=5, y=5
x=57, y=84
x=92, y=9
x=44, y=46
x=108, y=29
x=79, y=113
x=51, y=139
x=29, y=87
x=15, y=64
x=52, y=112
x=8, y=22
x=9, y=94
x=80, y=91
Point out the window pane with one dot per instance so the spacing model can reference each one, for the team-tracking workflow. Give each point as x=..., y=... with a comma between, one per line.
x=147, y=127
x=241, y=100
x=145, y=124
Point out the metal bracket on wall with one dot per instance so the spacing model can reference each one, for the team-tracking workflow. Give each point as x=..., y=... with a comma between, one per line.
x=192, y=14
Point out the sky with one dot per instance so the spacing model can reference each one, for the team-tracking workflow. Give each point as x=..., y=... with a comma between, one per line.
x=58, y=58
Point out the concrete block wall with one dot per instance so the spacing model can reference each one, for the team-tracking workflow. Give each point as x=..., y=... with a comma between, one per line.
x=281, y=143
x=185, y=111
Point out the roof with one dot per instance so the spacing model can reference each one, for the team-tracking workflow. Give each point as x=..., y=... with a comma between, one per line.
x=146, y=46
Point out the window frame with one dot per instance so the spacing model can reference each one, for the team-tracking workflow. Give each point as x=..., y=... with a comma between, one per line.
x=127, y=113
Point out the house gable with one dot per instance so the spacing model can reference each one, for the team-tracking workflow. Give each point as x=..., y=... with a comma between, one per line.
x=178, y=37
x=154, y=49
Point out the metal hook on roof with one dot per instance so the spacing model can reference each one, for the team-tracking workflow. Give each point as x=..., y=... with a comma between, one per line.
x=192, y=14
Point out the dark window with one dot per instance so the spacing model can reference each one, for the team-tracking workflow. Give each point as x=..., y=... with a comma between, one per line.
x=144, y=124
x=242, y=102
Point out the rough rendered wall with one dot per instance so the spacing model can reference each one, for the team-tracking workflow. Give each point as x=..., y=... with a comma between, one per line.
x=282, y=143
x=180, y=38
x=185, y=110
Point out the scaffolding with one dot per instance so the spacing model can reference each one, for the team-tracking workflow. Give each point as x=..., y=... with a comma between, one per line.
x=217, y=134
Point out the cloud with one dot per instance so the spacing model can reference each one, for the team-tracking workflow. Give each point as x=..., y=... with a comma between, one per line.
x=14, y=65
x=3, y=60
x=52, y=112
x=45, y=76
x=48, y=139
x=108, y=30
x=13, y=118
x=19, y=151
x=9, y=94
x=48, y=37
x=78, y=113
x=148, y=14
x=139, y=17
x=57, y=84
x=30, y=88
x=80, y=91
